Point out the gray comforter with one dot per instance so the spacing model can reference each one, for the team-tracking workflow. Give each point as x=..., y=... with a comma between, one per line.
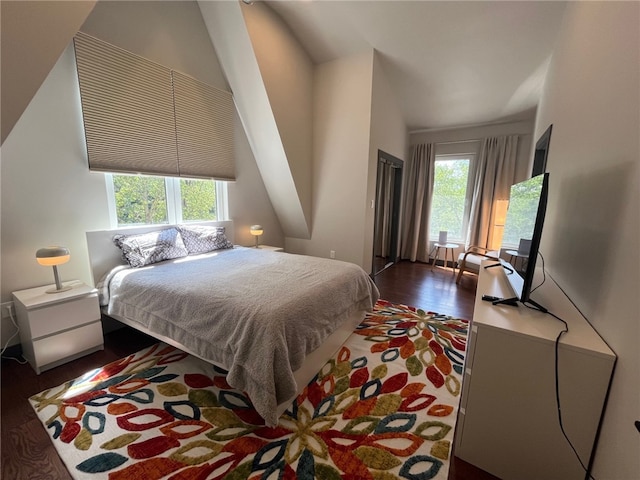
x=256, y=313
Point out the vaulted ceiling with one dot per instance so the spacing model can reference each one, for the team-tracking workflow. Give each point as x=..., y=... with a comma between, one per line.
x=34, y=34
x=450, y=63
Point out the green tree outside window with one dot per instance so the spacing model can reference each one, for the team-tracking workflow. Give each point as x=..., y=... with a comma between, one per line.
x=449, y=197
x=198, y=199
x=143, y=200
x=140, y=199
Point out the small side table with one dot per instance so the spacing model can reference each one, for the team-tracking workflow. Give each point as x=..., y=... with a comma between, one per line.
x=269, y=247
x=58, y=327
x=448, y=247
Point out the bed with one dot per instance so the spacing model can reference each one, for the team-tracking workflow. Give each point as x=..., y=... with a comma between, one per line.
x=271, y=319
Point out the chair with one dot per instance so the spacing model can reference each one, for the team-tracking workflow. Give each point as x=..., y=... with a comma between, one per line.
x=471, y=259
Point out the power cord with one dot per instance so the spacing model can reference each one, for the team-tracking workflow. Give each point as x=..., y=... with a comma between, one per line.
x=6, y=345
x=557, y=381
x=544, y=275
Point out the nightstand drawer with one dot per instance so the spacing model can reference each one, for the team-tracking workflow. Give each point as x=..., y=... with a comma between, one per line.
x=66, y=345
x=62, y=316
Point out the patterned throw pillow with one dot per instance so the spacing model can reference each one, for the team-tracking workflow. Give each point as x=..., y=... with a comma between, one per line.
x=202, y=239
x=147, y=248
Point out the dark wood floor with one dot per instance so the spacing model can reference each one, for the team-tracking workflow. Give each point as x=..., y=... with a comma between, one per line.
x=28, y=454
x=420, y=285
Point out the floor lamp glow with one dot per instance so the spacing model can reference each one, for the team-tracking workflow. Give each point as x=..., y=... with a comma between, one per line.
x=52, y=257
x=256, y=231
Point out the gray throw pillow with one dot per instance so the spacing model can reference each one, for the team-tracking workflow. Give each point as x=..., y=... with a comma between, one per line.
x=202, y=239
x=147, y=248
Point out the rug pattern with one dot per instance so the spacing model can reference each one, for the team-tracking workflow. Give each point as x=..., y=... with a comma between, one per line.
x=383, y=408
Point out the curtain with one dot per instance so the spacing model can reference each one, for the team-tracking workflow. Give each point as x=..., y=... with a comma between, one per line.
x=494, y=174
x=417, y=203
x=385, y=188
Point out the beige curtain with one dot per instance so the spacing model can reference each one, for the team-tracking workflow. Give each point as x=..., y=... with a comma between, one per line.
x=493, y=176
x=417, y=203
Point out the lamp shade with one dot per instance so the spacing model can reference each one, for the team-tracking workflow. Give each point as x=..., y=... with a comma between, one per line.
x=50, y=256
x=256, y=230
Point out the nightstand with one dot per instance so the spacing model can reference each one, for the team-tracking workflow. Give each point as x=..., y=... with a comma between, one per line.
x=58, y=327
x=269, y=247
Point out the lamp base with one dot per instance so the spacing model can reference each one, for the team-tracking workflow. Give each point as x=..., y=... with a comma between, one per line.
x=58, y=290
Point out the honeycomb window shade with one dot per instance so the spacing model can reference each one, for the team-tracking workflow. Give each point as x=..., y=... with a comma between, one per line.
x=204, y=129
x=137, y=120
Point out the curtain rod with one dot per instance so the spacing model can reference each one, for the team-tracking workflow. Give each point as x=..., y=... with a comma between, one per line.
x=470, y=125
x=460, y=141
x=471, y=140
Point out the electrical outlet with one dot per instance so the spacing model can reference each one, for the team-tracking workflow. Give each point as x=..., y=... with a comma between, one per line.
x=5, y=309
x=332, y=254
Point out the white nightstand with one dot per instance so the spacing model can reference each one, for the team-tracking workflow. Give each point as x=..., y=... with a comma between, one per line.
x=58, y=327
x=269, y=247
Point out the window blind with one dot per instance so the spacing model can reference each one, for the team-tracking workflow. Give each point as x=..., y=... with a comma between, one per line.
x=204, y=129
x=141, y=117
x=127, y=106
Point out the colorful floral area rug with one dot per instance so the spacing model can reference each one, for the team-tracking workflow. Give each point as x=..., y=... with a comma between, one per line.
x=383, y=408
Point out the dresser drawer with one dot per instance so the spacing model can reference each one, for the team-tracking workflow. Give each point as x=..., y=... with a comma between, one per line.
x=54, y=318
x=67, y=344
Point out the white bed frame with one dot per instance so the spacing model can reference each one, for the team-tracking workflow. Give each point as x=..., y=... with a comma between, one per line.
x=104, y=255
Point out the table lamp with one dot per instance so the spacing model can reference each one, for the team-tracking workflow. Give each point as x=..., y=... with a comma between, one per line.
x=256, y=231
x=52, y=257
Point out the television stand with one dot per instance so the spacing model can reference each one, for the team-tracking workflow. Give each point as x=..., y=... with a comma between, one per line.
x=508, y=418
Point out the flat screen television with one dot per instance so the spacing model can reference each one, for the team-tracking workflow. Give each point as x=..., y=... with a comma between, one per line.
x=523, y=231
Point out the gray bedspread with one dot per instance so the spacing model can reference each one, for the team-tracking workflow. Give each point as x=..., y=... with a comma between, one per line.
x=257, y=313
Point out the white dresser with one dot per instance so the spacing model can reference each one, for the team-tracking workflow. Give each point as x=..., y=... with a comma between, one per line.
x=508, y=420
x=58, y=327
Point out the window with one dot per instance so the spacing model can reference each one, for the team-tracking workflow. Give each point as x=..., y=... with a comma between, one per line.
x=451, y=197
x=148, y=200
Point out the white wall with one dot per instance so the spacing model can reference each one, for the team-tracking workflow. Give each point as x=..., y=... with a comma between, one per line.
x=590, y=239
x=355, y=115
x=48, y=194
x=341, y=132
x=287, y=73
x=172, y=34
x=226, y=26
x=249, y=202
x=49, y=197
x=389, y=134
x=31, y=44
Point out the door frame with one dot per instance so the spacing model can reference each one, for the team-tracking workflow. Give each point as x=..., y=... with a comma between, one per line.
x=384, y=157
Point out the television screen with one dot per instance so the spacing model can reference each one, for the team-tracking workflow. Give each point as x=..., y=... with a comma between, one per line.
x=523, y=231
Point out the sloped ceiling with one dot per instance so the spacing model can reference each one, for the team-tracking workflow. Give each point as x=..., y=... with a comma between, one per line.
x=230, y=37
x=450, y=63
x=31, y=44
